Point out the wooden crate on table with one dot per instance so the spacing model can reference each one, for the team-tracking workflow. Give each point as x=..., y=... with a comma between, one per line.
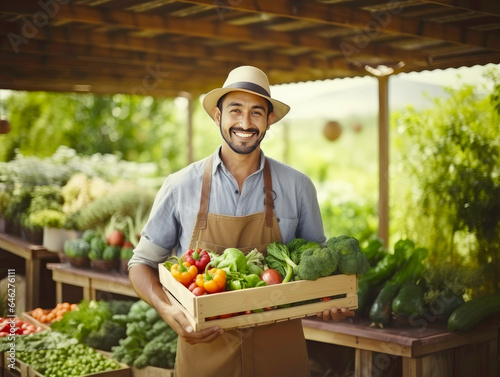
x=205, y=311
x=20, y=369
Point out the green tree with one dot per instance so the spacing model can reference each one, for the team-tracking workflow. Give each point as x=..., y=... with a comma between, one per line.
x=142, y=129
x=448, y=159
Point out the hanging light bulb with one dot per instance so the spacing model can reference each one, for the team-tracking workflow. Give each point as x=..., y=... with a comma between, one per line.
x=4, y=123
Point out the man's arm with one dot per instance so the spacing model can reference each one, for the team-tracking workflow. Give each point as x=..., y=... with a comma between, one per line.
x=146, y=284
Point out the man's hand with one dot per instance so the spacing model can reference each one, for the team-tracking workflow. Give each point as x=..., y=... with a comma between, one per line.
x=336, y=314
x=145, y=281
x=179, y=323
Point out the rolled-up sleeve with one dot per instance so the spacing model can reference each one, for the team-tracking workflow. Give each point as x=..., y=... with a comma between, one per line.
x=148, y=253
x=160, y=234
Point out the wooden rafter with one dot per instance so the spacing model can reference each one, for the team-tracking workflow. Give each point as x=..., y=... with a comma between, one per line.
x=198, y=28
x=388, y=21
x=486, y=7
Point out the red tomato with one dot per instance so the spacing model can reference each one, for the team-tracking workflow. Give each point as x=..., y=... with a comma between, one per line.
x=115, y=238
x=271, y=276
x=127, y=245
x=197, y=291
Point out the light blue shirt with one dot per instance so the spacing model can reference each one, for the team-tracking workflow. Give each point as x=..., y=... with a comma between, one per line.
x=171, y=222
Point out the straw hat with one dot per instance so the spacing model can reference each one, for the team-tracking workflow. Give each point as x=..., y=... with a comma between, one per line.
x=246, y=79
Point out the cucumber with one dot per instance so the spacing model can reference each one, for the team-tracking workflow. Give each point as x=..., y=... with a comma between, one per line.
x=380, y=312
x=467, y=315
x=409, y=301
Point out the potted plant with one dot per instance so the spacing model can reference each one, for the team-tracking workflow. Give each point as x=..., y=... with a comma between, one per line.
x=54, y=224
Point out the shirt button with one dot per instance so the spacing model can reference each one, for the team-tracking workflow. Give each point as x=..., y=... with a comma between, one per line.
x=236, y=191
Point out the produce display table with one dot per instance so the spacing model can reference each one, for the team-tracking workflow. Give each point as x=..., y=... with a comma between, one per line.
x=425, y=348
x=33, y=256
x=89, y=280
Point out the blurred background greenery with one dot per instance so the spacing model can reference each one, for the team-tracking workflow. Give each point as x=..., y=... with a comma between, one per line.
x=444, y=169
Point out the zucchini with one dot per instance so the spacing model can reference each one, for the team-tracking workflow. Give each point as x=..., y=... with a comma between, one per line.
x=467, y=315
x=380, y=312
x=409, y=301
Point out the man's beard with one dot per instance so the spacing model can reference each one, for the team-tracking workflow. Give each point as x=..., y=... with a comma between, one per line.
x=244, y=148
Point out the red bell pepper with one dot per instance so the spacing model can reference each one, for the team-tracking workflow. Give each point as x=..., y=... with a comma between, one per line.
x=197, y=257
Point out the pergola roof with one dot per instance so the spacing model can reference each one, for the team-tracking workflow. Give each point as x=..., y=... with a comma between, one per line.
x=165, y=47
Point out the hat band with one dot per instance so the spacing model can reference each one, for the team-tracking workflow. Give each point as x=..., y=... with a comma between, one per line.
x=249, y=86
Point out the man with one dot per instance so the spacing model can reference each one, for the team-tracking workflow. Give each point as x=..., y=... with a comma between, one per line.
x=235, y=198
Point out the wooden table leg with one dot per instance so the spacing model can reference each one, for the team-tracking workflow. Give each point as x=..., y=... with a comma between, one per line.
x=363, y=363
x=32, y=283
x=412, y=367
x=59, y=292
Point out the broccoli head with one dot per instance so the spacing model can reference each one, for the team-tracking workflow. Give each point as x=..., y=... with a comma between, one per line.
x=352, y=259
x=355, y=263
x=317, y=263
x=108, y=336
x=345, y=245
x=296, y=254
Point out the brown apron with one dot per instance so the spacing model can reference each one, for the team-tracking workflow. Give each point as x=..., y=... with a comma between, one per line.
x=263, y=351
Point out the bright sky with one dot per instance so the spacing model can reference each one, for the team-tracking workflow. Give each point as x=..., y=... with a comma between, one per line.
x=292, y=93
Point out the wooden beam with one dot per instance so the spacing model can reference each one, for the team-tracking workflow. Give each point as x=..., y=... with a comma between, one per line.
x=195, y=28
x=112, y=47
x=486, y=7
x=383, y=143
x=387, y=21
x=97, y=88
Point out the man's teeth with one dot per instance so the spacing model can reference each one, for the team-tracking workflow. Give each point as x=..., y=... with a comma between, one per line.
x=241, y=134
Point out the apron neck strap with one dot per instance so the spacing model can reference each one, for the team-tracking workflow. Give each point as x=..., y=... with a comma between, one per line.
x=201, y=220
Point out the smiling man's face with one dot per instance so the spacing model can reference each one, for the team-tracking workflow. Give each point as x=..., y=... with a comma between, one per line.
x=244, y=121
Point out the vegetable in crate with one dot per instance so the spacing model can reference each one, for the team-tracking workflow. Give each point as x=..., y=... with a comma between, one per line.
x=278, y=258
x=237, y=280
x=183, y=272
x=212, y=281
x=150, y=340
x=78, y=248
x=297, y=251
x=197, y=257
x=79, y=323
x=469, y=314
x=317, y=263
x=352, y=260
x=111, y=252
x=107, y=336
x=97, y=246
x=255, y=262
x=231, y=259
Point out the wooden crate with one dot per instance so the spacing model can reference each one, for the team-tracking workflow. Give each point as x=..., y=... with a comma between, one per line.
x=26, y=316
x=20, y=369
x=201, y=309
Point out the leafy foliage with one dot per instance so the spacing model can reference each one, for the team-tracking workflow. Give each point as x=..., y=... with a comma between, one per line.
x=140, y=128
x=448, y=158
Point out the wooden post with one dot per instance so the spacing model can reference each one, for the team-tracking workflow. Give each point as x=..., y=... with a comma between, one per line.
x=383, y=121
x=189, y=98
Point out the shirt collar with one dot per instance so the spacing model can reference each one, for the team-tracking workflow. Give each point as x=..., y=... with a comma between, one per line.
x=218, y=162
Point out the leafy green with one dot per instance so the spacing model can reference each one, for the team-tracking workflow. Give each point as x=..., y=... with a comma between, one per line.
x=149, y=341
x=278, y=258
x=79, y=323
